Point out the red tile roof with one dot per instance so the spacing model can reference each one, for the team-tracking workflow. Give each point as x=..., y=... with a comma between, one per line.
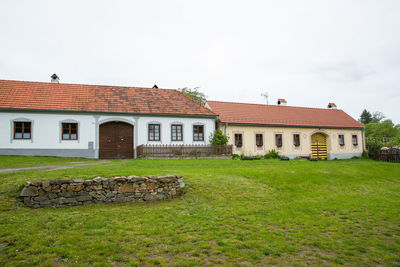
x=258, y=114
x=96, y=98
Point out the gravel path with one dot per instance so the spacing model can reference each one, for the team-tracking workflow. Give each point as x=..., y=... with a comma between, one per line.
x=54, y=167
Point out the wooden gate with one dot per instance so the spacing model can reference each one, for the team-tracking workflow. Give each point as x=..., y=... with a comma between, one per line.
x=319, y=147
x=116, y=140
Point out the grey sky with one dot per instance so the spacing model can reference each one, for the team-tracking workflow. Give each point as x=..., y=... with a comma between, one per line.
x=308, y=52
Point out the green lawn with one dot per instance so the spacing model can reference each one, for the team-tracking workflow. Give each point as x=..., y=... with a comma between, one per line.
x=233, y=213
x=7, y=162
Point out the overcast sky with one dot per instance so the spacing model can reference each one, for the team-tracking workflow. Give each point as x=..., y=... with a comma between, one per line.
x=308, y=52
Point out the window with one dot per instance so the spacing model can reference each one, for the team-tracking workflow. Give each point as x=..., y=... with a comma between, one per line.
x=69, y=131
x=259, y=140
x=238, y=140
x=354, y=140
x=22, y=130
x=278, y=140
x=296, y=140
x=198, y=133
x=154, y=132
x=341, y=139
x=176, y=132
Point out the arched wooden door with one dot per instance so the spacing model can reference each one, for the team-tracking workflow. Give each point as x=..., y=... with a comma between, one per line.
x=116, y=140
x=319, y=148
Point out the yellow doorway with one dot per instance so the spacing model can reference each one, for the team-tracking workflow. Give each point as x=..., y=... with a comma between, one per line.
x=318, y=146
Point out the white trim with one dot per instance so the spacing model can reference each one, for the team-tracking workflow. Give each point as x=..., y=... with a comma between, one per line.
x=116, y=119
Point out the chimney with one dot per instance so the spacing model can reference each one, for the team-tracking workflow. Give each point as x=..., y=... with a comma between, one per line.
x=281, y=102
x=332, y=106
x=54, y=78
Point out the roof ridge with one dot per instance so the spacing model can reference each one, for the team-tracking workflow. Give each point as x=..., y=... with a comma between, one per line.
x=109, y=98
x=265, y=105
x=261, y=114
x=86, y=84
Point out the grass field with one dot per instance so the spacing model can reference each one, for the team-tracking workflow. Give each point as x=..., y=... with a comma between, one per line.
x=7, y=162
x=233, y=213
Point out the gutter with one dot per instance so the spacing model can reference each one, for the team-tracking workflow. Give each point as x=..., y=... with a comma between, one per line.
x=363, y=139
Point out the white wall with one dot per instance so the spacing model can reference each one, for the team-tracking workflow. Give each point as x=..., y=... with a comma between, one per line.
x=141, y=128
x=46, y=132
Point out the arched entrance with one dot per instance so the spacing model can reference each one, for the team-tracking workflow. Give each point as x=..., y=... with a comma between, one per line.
x=116, y=140
x=319, y=148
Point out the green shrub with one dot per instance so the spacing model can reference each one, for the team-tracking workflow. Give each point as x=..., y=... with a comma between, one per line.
x=364, y=155
x=257, y=157
x=272, y=154
x=218, y=138
x=297, y=158
x=235, y=156
x=374, y=148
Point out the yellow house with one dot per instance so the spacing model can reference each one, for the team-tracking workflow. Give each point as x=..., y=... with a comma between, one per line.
x=255, y=129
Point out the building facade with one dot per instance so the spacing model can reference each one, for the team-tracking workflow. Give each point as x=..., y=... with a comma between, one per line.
x=255, y=129
x=52, y=119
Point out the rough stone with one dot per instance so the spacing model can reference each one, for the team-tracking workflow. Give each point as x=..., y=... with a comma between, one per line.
x=78, y=188
x=65, y=194
x=60, y=182
x=29, y=191
x=59, y=193
x=126, y=188
x=88, y=182
x=83, y=198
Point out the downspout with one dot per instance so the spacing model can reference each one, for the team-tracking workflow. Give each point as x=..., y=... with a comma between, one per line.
x=226, y=126
x=363, y=139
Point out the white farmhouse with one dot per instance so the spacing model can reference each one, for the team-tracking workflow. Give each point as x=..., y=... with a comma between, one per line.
x=94, y=121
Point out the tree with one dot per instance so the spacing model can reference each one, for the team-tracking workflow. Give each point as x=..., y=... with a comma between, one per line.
x=377, y=116
x=218, y=138
x=365, y=117
x=194, y=94
x=385, y=128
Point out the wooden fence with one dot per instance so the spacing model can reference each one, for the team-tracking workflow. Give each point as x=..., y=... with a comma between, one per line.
x=389, y=155
x=183, y=151
x=392, y=157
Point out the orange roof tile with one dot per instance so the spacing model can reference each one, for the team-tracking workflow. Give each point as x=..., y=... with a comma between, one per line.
x=258, y=114
x=96, y=98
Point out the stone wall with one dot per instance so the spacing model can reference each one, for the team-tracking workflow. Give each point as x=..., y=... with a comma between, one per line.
x=59, y=193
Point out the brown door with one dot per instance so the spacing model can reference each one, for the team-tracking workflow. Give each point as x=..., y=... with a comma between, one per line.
x=116, y=140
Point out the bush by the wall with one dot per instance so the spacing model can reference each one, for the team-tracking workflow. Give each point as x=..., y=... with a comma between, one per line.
x=272, y=154
x=235, y=156
x=218, y=138
x=374, y=148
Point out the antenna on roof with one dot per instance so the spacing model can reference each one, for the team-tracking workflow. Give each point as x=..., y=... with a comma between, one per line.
x=265, y=95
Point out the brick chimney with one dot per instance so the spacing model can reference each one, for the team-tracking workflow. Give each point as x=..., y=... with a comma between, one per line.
x=54, y=78
x=332, y=106
x=281, y=102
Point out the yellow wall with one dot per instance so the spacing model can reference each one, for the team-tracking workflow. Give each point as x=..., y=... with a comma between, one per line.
x=334, y=149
